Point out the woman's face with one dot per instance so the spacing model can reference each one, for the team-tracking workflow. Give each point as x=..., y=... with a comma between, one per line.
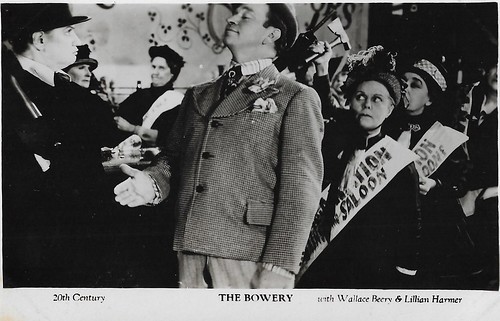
x=492, y=78
x=80, y=74
x=371, y=104
x=160, y=72
x=417, y=93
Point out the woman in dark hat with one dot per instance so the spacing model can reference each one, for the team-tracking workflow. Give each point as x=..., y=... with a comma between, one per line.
x=447, y=250
x=148, y=110
x=81, y=73
x=81, y=70
x=378, y=246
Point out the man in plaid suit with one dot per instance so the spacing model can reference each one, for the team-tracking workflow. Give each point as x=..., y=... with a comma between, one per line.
x=246, y=151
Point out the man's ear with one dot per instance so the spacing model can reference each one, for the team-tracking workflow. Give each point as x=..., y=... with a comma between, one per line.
x=274, y=35
x=38, y=40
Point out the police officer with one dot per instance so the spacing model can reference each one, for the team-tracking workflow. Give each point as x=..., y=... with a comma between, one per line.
x=52, y=132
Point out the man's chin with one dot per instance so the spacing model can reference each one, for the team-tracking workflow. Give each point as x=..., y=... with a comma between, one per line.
x=228, y=38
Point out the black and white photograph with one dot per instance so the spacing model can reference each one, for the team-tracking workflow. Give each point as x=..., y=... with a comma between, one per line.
x=287, y=161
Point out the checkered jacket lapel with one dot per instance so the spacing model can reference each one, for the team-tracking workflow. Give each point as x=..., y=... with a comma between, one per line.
x=240, y=99
x=206, y=96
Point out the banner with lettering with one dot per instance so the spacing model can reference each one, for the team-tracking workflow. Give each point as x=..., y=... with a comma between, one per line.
x=373, y=170
x=435, y=146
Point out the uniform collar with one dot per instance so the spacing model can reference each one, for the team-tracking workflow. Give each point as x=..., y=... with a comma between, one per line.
x=363, y=142
x=38, y=70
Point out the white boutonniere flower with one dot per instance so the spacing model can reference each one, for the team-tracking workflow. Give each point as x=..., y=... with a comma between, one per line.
x=261, y=84
x=267, y=106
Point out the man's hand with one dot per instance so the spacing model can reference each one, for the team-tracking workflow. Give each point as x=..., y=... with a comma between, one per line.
x=137, y=190
x=321, y=63
x=426, y=184
x=265, y=279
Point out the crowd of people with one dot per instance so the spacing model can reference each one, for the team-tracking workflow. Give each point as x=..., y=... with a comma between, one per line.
x=441, y=240
x=351, y=180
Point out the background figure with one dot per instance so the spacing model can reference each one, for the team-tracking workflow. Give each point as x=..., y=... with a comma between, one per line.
x=337, y=96
x=447, y=252
x=81, y=70
x=81, y=73
x=245, y=150
x=378, y=248
x=482, y=178
x=151, y=112
x=53, y=182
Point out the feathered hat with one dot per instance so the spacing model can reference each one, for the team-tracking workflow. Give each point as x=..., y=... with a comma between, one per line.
x=376, y=64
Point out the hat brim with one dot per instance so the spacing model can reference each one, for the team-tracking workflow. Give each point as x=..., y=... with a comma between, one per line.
x=89, y=61
x=72, y=21
x=429, y=81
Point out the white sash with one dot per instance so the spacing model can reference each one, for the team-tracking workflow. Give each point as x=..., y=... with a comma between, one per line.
x=165, y=102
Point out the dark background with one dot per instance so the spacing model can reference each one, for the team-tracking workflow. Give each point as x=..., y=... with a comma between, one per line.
x=465, y=33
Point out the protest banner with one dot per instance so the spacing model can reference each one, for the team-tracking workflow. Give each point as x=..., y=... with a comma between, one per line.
x=374, y=169
x=435, y=146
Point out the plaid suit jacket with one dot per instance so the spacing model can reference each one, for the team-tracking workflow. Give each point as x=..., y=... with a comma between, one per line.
x=249, y=182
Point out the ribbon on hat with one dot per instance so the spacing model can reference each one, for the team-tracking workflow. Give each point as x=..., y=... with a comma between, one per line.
x=433, y=71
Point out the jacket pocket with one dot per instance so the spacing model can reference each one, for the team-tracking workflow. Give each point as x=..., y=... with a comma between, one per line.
x=259, y=213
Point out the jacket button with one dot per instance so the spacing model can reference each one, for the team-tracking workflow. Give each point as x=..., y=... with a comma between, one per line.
x=206, y=155
x=199, y=188
x=215, y=123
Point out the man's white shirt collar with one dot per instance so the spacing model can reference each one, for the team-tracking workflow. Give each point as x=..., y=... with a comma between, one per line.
x=253, y=67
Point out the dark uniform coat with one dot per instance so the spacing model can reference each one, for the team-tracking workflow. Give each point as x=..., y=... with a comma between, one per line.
x=46, y=214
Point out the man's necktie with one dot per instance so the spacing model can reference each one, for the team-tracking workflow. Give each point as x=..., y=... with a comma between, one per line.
x=230, y=81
